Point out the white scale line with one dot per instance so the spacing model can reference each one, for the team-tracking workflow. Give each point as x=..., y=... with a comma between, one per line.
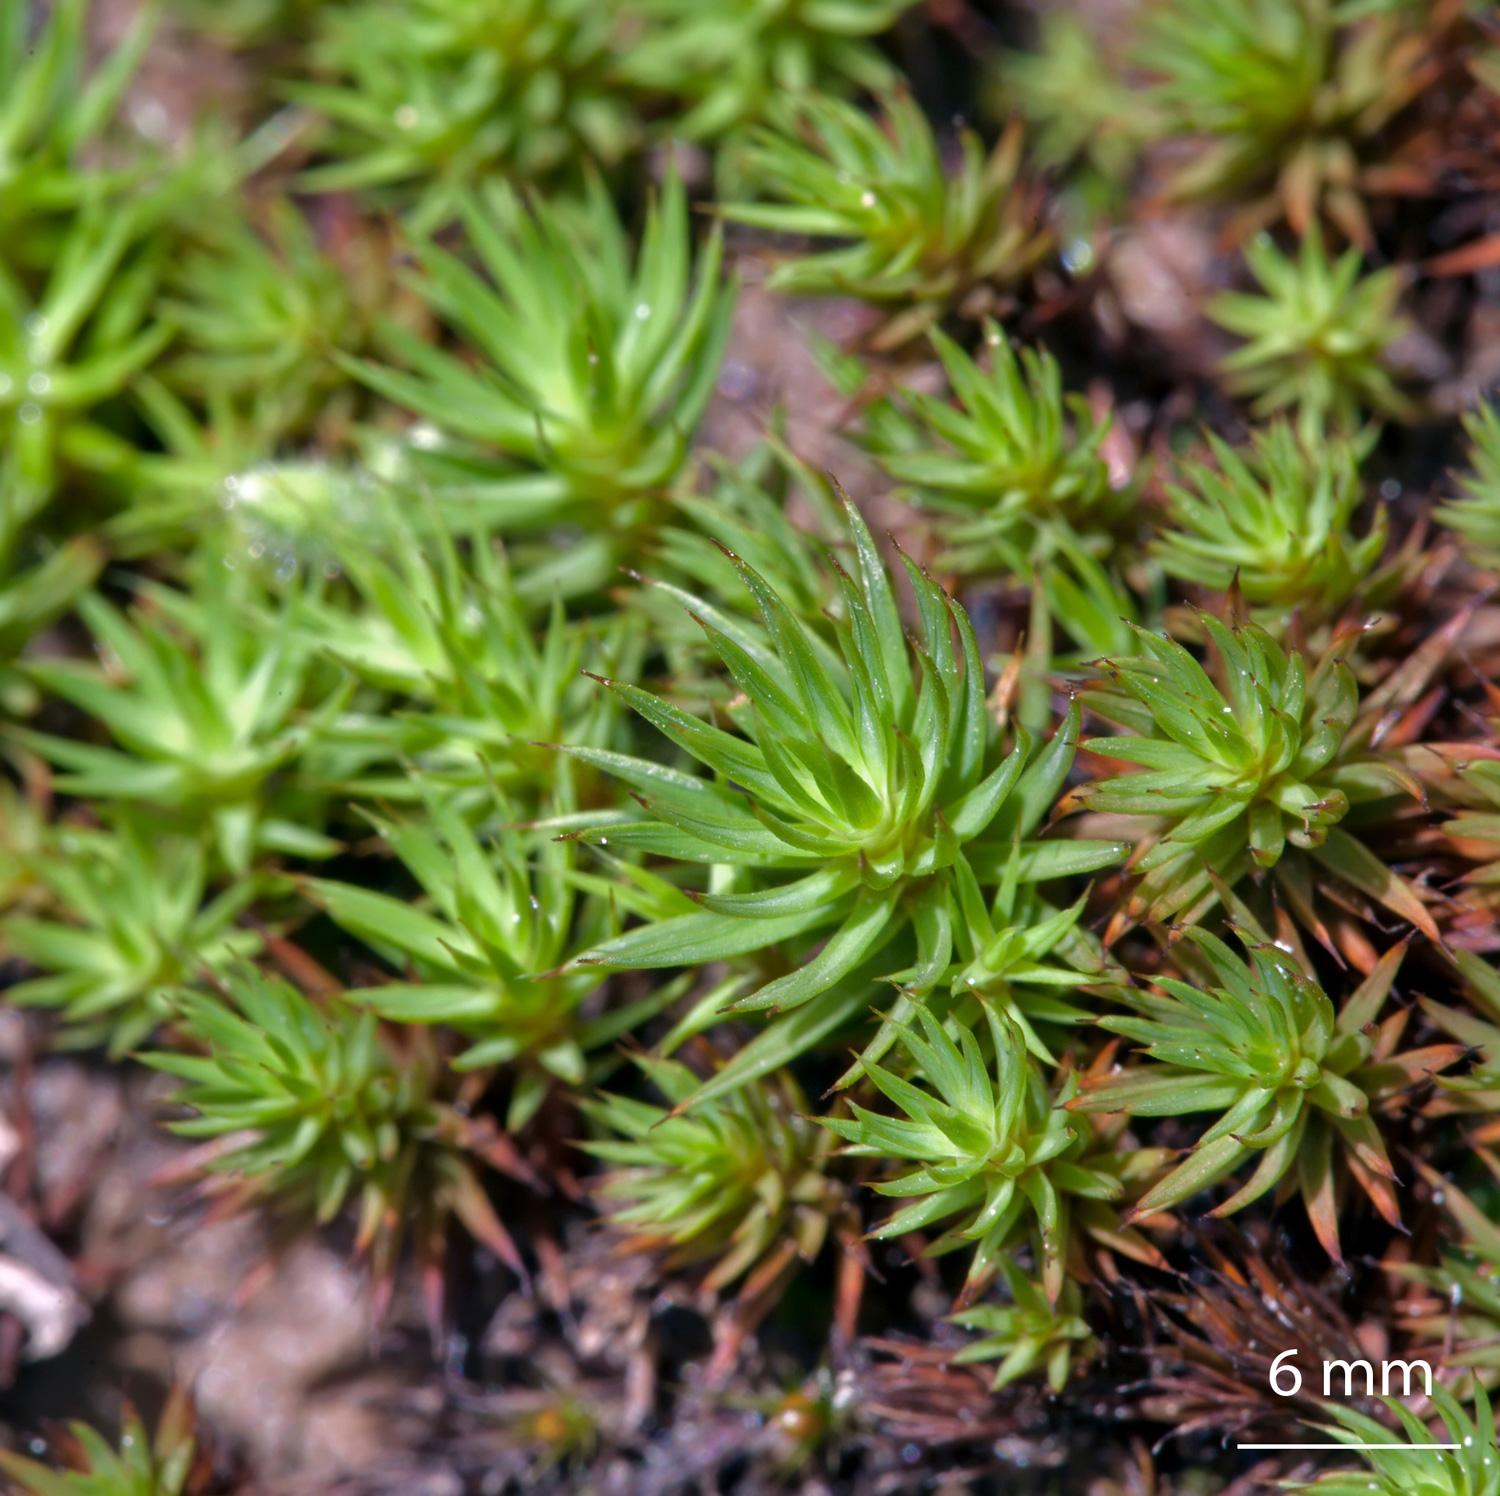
x=1346, y=1446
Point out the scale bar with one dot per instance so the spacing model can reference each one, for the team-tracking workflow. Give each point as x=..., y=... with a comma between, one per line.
x=1346, y=1446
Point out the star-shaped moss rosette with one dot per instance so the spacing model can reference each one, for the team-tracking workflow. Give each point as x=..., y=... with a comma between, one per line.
x=863, y=787
x=912, y=237
x=726, y=65
x=1029, y=1334
x=1015, y=954
x=1251, y=770
x=261, y=307
x=1026, y=960
x=423, y=101
x=1287, y=99
x=317, y=1106
x=1277, y=519
x=738, y=1183
x=1315, y=337
x=1000, y=1161
x=130, y=919
x=482, y=951
x=1007, y=464
x=466, y=678
x=1296, y=1080
x=590, y=369
x=1084, y=119
x=208, y=706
